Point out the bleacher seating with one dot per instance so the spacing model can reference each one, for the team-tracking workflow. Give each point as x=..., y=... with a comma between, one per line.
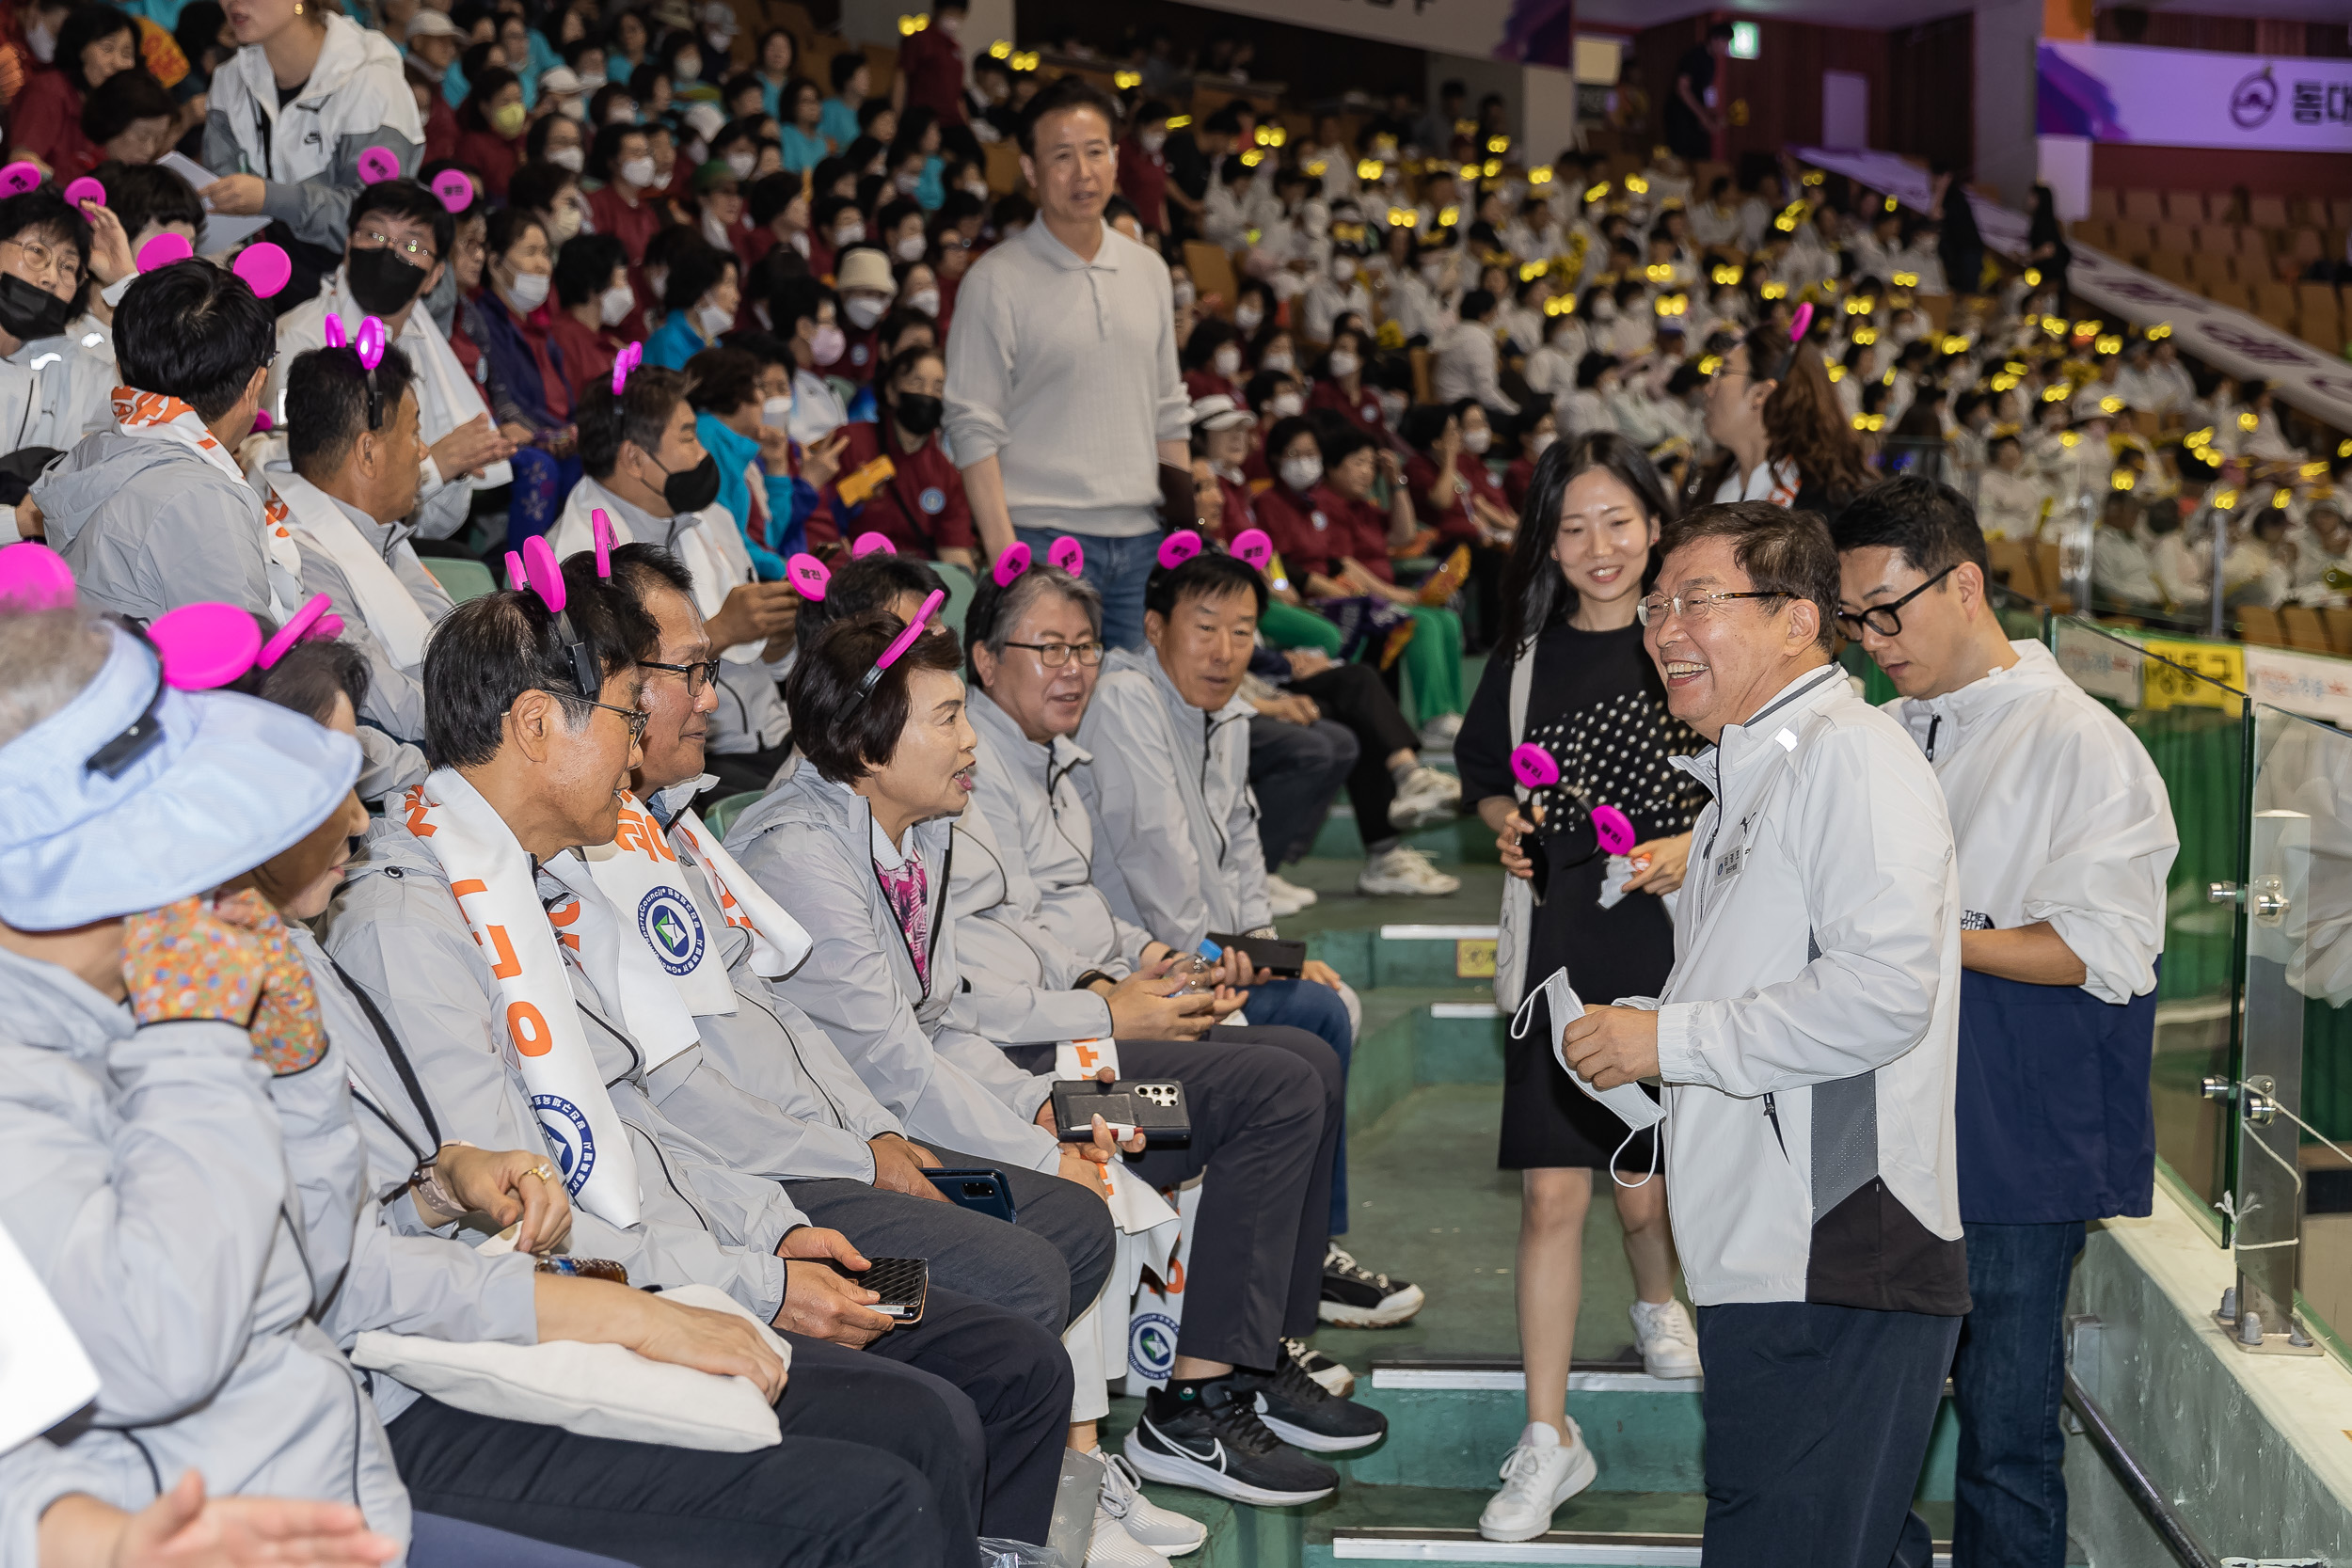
x=2242, y=250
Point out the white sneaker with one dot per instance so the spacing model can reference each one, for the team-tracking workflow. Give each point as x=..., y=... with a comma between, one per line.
x=1113, y=1548
x=1287, y=898
x=1335, y=1376
x=1438, y=735
x=1670, y=1346
x=1424, y=798
x=1405, y=870
x=1541, y=1474
x=1165, y=1532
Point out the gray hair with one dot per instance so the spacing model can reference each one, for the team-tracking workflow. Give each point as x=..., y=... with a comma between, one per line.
x=997, y=610
x=46, y=658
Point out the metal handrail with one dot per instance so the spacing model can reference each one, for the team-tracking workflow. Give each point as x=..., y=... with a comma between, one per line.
x=2173, y=1531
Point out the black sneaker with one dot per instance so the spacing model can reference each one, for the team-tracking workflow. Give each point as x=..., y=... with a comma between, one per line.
x=1304, y=1412
x=1215, y=1442
x=1333, y=1376
x=1355, y=1297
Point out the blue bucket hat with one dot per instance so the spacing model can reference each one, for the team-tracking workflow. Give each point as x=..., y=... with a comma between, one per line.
x=135, y=794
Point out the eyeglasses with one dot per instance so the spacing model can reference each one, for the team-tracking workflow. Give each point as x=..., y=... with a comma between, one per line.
x=416, y=255
x=1693, y=606
x=1881, y=618
x=637, y=721
x=697, y=675
x=1054, y=655
x=41, y=258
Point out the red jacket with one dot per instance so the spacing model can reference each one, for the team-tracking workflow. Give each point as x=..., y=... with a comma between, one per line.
x=1317, y=531
x=1454, y=522
x=46, y=121
x=922, y=507
x=1238, y=515
x=1363, y=411
x=859, y=352
x=588, y=351
x=492, y=156
x=440, y=129
x=1517, y=479
x=1205, y=382
x=631, y=226
x=1143, y=180
x=932, y=64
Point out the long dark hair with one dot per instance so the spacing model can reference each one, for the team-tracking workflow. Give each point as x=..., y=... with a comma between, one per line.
x=1536, y=593
x=1803, y=422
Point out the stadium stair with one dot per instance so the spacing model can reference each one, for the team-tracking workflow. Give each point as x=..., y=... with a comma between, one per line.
x=1428, y=1204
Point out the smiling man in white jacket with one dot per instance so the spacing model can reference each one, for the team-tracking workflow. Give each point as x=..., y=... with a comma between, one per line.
x=1805, y=1040
x=2065, y=836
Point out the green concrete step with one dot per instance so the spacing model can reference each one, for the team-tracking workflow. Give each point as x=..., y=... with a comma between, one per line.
x=1415, y=1036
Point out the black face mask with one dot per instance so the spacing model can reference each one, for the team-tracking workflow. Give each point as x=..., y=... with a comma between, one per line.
x=27, y=311
x=691, y=489
x=917, y=413
x=380, y=282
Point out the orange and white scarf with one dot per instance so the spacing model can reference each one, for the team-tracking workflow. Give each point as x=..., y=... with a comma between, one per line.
x=159, y=416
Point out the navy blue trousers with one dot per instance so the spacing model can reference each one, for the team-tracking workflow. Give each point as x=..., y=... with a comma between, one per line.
x=2008, y=1380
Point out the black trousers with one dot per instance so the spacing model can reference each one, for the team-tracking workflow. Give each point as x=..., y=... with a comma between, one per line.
x=1816, y=1422
x=1049, y=1265
x=1265, y=1106
x=1295, y=770
x=1354, y=695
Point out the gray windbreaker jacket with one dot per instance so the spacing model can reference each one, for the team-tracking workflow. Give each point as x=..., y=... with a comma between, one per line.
x=704, y=1222
x=149, y=526
x=1176, y=845
x=308, y=152
x=395, y=691
x=809, y=843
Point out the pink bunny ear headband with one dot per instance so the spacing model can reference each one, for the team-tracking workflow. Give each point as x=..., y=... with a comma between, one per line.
x=1251, y=546
x=625, y=361
x=1535, y=768
x=264, y=267
x=455, y=191
x=1064, y=552
x=369, y=345
x=536, y=568
x=900, y=643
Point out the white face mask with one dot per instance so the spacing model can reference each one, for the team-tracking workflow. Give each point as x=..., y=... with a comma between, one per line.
x=976, y=189
x=589, y=82
x=689, y=68
x=574, y=107
x=826, y=345
x=1539, y=442
x=1284, y=406
x=864, y=311
x=571, y=158
x=1183, y=292
x=1277, y=362
x=1475, y=442
x=715, y=232
x=43, y=41
x=1317, y=219
x=614, y=304
x=848, y=235
x=529, y=291
x=657, y=281
x=775, y=412
x=713, y=320
x=1342, y=270
x=951, y=25
x=906, y=182
x=742, y=164
x=1604, y=310
x=1247, y=317
x=925, y=300
x=1301, y=473
x=1153, y=140
x=637, y=172
x=909, y=248
x=1392, y=406
x=1228, y=360
x=1345, y=364
x=563, y=223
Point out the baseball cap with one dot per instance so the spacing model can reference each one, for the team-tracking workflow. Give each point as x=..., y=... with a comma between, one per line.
x=430, y=24
x=1218, y=411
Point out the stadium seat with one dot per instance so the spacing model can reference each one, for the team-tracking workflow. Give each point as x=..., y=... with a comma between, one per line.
x=2260, y=625
x=724, y=810
x=2143, y=206
x=1212, y=272
x=2266, y=211
x=2304, y=628
x=960, y=588
x=2184, y=206
x=459, y=578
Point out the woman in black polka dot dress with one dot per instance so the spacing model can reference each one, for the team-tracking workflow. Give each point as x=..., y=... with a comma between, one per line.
x=1570, y=675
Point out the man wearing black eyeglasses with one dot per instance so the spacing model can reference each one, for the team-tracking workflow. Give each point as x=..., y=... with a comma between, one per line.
x=2063, y=836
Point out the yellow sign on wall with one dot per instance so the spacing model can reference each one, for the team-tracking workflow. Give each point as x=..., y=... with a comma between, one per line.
x=2166, y=686
x=1473, y=958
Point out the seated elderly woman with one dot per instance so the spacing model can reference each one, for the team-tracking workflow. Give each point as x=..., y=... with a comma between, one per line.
x=190, y=1178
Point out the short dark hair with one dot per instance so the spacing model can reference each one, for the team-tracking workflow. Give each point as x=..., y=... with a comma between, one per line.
x=695, y=269
x=1340, y=440
x=1782, y=552
x=330, y=388
x=605, y=148
x=141, y=194
x=506, y=226
x=583, y=268
x=83, y=27
x=311, y=673
x=722, y=380
x=1060, y=97
x=640, y=416
x=639, y=571
x=490, y=650
x=196, y=332
x=122, y=99
x=533, y=186
x=42, y=210
x=867, y=583
x=844, y=65
x=771, y=194
x=405, y=198
x=799, y=300
x=1931, y=523
x=995, y=610
x=846, y=735
x=1210, y=574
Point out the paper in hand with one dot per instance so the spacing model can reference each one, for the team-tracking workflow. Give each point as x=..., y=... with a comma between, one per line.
x=222, y=232
x=1631, y=1101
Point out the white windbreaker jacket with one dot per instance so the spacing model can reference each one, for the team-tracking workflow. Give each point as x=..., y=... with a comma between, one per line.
x=1806, y=1037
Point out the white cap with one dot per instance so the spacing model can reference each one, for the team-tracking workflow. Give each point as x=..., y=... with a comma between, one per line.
x=430, y=24
x=559, y=80
x=1220, y=412
x=705, y=121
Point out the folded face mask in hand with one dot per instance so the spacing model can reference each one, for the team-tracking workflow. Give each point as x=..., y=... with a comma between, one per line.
x=1631, y=1101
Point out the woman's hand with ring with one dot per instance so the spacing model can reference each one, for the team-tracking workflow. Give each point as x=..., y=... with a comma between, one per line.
x=513, y=1186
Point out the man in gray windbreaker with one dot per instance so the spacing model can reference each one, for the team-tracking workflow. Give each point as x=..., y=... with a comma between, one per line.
x=525, y=754
x=1806, y=1041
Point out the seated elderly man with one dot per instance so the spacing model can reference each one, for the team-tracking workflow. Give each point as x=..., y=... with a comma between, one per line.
x=504, y=977
x=175, y=1111
x=53, y=389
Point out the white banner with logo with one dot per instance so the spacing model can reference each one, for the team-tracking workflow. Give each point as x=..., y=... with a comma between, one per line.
x=2119, y=92
x=2221, y=336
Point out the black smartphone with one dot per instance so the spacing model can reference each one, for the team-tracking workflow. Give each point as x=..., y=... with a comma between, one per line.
x=901, y=1282
x=978, y=1187
x=1154, y=1108
x=1284, y=961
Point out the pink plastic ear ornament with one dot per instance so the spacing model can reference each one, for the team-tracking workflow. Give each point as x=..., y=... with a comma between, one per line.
x=1251, y=545
x=867, y=543
x=807, y=575
x=34, y=577
x=625, y=361
x=1067, y=554
x=517, y=578
x=369, y=344
x=1179, y=548
x=905, y=640
x=377, y=165
x=604, y=542
x=263, y=423
x=1613, y=829
x=84, y=189
x=1799, y=322
x=163, y=250
x=204, y=646
x=1010, y=564
x=265, y=268
x=20, y=177
x=455, y=189
x=545, y=572
x=312, y=620
x=333, y=329
x=1533, y=766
